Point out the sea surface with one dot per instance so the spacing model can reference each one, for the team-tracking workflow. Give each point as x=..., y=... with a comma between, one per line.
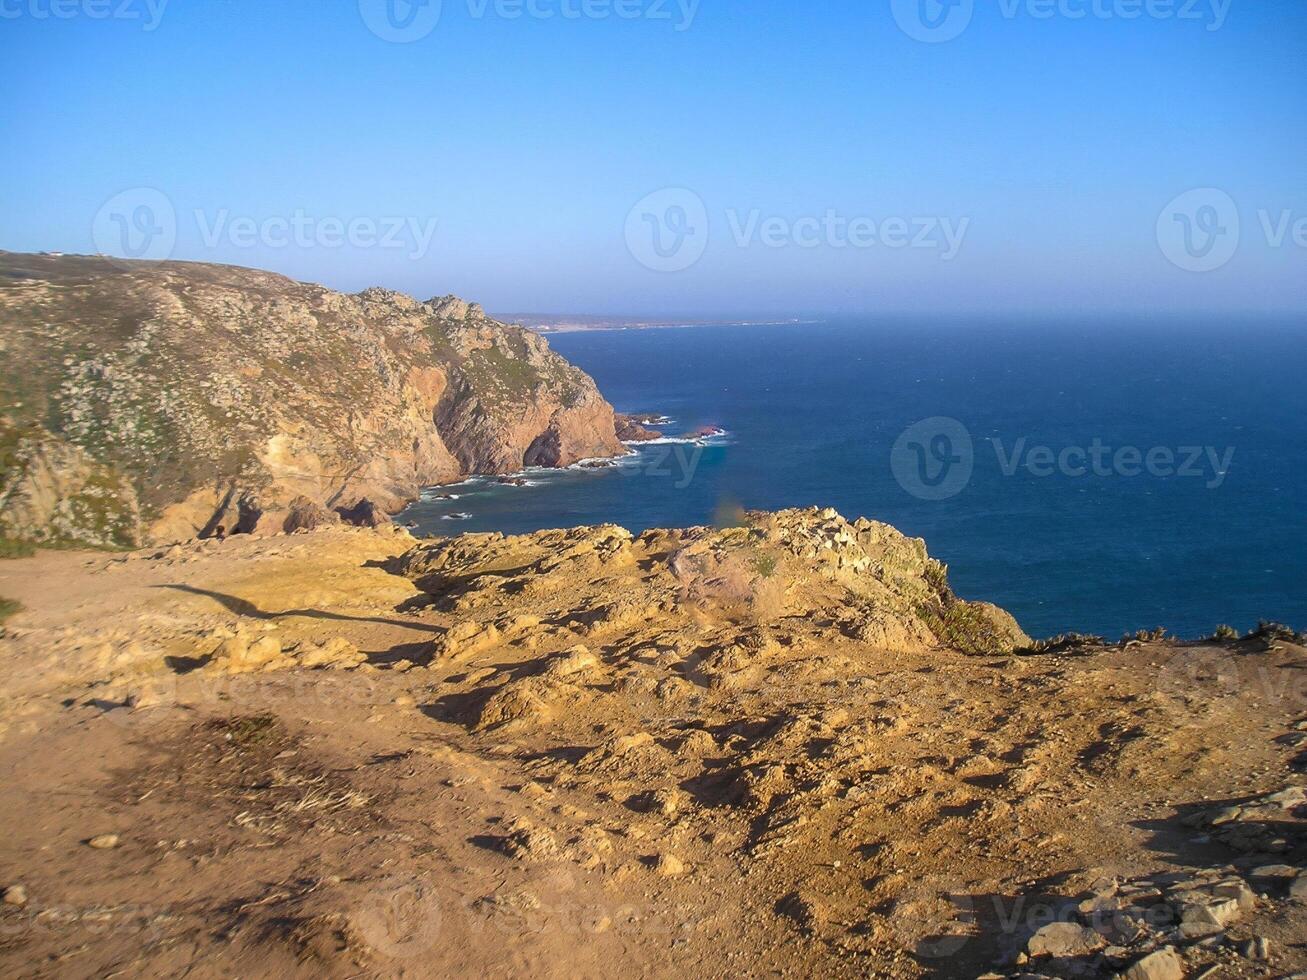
x=1095, y=476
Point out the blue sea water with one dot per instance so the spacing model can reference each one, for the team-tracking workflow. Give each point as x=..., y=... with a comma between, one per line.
x=1049, y=512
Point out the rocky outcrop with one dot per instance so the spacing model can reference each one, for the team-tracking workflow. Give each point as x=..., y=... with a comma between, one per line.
x=866, y=579
x=631, y=428
x=144, y=402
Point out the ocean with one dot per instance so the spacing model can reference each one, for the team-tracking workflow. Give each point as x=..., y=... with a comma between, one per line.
x=1093, y=476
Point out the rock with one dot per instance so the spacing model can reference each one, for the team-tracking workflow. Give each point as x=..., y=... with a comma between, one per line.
x=1274, y=872
x=1217, y=912
x=1064, y=939
x=1256, y=949
x=103, y=842
x=525, y=840
x=1225, y=815
x=306, y=514
x=1165, y=964
x=337, y=652
x=15, y=895
x=364, y=514
x=630, y=429
x=465, y=640
x=255, y=656
x=669, y=865
x=518, y=702
x=1238, y=890
x=1298, y=890
x=570, y=665
x=1288, y=798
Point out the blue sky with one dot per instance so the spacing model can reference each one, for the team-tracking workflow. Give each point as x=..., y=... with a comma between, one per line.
x=1050, y=147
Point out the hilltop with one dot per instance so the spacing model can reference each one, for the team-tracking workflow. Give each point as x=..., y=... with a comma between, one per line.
x=144, y=402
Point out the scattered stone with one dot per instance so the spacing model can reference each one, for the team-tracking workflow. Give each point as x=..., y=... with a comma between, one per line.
x=1165, y=964
x=1298, y=890
x=1064, y=939
x=337, y=652
x=15, y=895
x=1256, y=949
x=669, y=865
x=103, y=842
x=1219, y=913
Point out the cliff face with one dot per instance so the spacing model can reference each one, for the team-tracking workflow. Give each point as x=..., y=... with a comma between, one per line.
x=156, y=401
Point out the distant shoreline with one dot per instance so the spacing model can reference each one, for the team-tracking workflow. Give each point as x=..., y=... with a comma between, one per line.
x=544, y=324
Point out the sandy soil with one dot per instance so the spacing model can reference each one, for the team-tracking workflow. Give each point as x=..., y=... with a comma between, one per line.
x=589, y=756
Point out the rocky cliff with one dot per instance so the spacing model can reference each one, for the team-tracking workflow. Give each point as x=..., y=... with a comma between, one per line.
x=159, y=401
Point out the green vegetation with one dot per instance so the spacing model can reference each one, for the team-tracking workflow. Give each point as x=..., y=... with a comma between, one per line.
x=494, y=372
x=966, y=627
x=1063, y=643
x=1225, y=634
x=14, y=548
x=766, y=565
x=8, y=607
x=936, y=576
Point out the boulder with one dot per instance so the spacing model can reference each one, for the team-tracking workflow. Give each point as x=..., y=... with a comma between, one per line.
x=305, y=514
x=363, y=514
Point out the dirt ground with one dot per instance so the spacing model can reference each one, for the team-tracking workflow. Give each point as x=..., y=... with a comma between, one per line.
x=718, y=754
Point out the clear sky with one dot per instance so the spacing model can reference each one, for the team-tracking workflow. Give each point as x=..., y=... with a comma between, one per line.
x=1035, y=151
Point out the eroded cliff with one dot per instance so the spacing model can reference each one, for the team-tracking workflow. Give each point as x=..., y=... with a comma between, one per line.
x=159, y=401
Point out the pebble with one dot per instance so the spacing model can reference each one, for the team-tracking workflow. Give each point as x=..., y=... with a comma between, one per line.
x=15, y=895
x=103, y=842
